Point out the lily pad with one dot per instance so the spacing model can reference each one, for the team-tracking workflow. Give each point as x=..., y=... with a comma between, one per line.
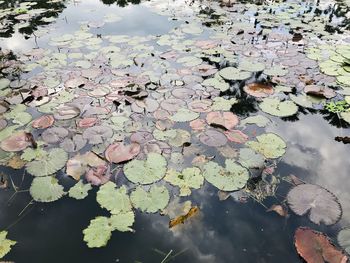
x=315, y=247
x=250, y=159
x=157, y=198
x=228, y=120
x=259, y=120
x=231, y=178
x=97, y=134
x=46, y=189
x=17, y=142
x=148, y=171
x=98, y=232
x=5, y=244
x=187, y=179
x=278, y=108
x=184, y=115
x=322, y=205
x=344, y=239
x=79, y=190
x=119, y=152
x=48, y=163
x=268, y=144
x=115, y=200
x=213, y=138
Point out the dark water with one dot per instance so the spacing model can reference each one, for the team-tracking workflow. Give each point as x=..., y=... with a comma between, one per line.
x=225, y=231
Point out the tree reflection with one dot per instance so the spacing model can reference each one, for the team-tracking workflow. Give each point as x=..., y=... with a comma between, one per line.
x=52, y=9
x=121, y=3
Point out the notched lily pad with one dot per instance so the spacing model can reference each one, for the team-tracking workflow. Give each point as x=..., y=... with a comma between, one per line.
x=231, y=178
x=322, y=205
x=157, y=198
x=268, y=144
x=148, y=171
x=46, y=189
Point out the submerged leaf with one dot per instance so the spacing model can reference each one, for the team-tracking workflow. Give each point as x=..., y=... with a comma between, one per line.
x=322, y=204
x=181, y=219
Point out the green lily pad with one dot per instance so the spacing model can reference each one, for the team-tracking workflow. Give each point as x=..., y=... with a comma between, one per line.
x=157, y=198
x=122, y=221
x=4, y=83
x=259, y=120
x=231, y=178
x=344, y=239
x=217, y=83
x=98, y=232
x=148, y=171
x=79, y=190
x=231, y=73
x=46, y=189
x=113, y=199
x=5, y=244
x=187, y=179
x=184, y=115
x=222, y=104
x=268, y=144
x=48, y=163
x=278, y=108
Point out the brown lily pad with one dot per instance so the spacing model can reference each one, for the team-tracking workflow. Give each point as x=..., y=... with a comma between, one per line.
x=315, y=247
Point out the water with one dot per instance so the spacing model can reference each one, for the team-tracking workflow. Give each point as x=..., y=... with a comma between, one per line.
x=224, y=231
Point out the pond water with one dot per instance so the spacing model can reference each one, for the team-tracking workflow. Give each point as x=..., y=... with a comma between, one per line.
x=72, y=58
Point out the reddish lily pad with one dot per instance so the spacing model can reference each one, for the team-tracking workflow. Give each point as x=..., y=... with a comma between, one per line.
x=119, y=152
x=315, y=247
x=228, y=120
x=259, y=90
x=43, y=122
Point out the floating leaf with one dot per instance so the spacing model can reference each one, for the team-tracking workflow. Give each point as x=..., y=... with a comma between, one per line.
x=231, y=178
x=236, y=136
x=17, y=142
x=113, y=199
x=157, y=198
x=231, y=73
x=221, y=104
x=5, y=244
x=322, y=204
x=122, y=221
x=278, y=108
x=250, y=159
x=43, y=122
x=187, y=179
x=228, y=120
x=278, y=209
x=119, y=152
x=344, y=239
x=213, y=138
x=258, y=90
x=315, y=247
x=146, y=172
x=78, y=165
x=46, y=189
x=49, y=163
x=181, y=219
x=98, y=232
x=79, y=190
x=54, y=134
x=268, y=144
x=184, y=115
x=97, y=134
x=259, y=120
